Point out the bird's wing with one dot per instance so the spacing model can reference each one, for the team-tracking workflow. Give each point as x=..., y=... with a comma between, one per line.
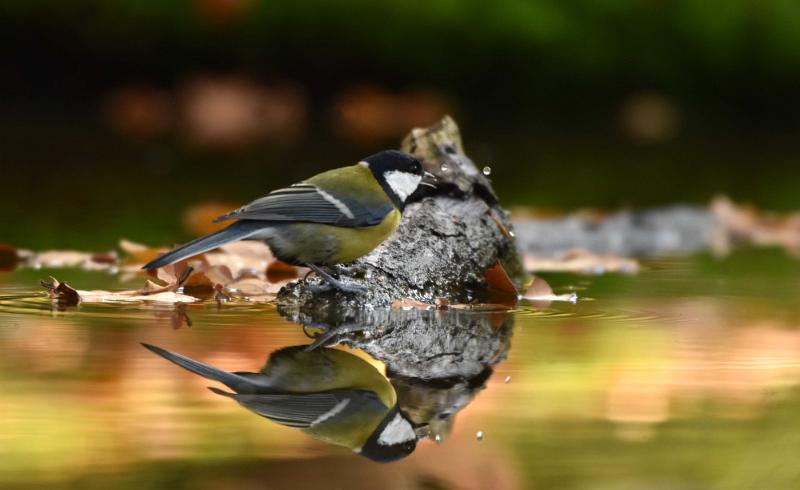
x=309, y=203
x=304, y=410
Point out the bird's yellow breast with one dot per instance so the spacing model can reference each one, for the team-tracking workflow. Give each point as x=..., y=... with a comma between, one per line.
x=357, y=242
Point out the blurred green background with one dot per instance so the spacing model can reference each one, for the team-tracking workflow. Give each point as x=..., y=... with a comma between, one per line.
x=117, y=116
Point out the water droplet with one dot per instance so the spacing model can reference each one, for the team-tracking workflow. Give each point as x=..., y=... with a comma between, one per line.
x=445, y=168
x=487, y=170
x=507, y=380
x=438, y=439
x=512, y=234
x=479, y=435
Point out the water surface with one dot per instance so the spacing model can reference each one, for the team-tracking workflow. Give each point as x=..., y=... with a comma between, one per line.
x=683, y=376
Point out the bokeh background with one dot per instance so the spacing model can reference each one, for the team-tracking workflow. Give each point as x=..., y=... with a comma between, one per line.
x=118, y=116
x=142, y=119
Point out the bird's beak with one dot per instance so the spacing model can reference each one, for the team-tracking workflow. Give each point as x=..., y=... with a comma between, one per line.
x=428, y=180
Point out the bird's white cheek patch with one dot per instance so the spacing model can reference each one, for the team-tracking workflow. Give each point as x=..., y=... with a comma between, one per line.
x=402, y=183
x=397, y=431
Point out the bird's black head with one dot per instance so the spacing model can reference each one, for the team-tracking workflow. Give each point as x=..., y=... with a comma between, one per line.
x=394, y=439
x=398, y=173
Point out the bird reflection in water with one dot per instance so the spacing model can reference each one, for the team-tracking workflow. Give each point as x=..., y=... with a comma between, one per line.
x=435, y=363
x=329, y=394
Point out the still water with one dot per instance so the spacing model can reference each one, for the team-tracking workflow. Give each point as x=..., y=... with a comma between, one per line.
x=684, y=376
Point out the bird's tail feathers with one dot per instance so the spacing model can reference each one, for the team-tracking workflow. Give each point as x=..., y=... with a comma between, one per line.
x=230, y=380
x=222, y=392
x=237, y=231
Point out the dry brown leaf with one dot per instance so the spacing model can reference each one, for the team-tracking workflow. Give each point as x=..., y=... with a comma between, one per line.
x=582, y=262
x=69, y=296
x=100, y=296
x=540, y=294
x=247, y=256
x=498, y=280
x=278, y=271
x=236, y=269
x=62, y=292
x=138, y=252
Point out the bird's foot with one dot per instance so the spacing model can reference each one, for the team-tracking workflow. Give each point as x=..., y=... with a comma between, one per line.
x=332, y=282
x=331, y=335
x=352, y=269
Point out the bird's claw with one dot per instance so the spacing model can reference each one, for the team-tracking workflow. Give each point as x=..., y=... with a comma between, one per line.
x=332, y=282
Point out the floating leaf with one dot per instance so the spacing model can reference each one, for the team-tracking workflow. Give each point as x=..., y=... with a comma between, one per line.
x=66, y=295
x=541, y=294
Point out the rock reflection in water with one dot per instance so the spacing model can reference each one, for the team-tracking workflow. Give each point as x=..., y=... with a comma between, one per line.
x=437, y=360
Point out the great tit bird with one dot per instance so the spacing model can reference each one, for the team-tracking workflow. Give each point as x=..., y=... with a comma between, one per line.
x=334, y=217
x=329, y=394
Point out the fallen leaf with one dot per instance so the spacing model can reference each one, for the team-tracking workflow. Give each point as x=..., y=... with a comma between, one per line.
x=497, y=279
x=539, y=287
x=278, y=271
x=65, y=294
x=242, y=257
x=138, y=252
x=69, y=296
x=100, y=296
x=582, y=262
x=541, y=294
